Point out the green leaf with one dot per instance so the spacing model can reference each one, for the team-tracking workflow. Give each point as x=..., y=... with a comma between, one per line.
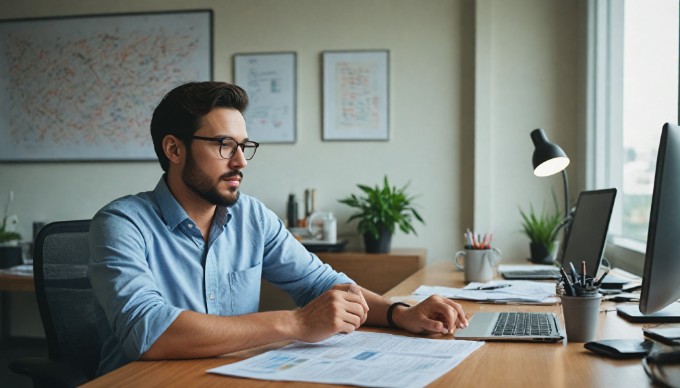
x=9, y=236
x=542, y=228
x=386, y=207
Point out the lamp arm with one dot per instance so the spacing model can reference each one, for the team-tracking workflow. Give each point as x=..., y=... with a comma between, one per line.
x=566, y=193
x=568, y=216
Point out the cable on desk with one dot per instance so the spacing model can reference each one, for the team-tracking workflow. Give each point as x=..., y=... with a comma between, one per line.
x=652, y=364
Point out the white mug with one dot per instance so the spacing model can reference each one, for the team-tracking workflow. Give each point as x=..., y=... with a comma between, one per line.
x=478, y=264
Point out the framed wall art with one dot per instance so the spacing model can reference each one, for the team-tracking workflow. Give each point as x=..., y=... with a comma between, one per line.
x=356, y=95
x=269, y=79
x=83, y=88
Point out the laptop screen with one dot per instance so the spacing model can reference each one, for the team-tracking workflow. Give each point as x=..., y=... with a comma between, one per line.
x=588, y=233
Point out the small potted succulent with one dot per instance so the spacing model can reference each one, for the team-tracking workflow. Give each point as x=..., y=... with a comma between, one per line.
x=380, y=211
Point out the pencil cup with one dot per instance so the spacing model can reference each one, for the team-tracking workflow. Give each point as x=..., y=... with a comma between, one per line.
x=478, y=264
x=581, y=314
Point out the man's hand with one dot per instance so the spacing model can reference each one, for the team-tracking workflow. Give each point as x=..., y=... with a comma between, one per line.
x=341, y=309
x=433, y=315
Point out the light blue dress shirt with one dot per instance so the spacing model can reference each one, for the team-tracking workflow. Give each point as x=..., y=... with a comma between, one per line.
x=149, y=262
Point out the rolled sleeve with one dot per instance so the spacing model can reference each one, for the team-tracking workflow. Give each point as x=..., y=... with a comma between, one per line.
x=289, y=266
x=135, y=310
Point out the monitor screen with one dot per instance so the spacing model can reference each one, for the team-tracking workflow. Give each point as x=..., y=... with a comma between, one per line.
x=588, y=232
x=661, y=276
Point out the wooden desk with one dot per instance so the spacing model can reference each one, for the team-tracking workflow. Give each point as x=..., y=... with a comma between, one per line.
x=559, y=365
x=11, y=283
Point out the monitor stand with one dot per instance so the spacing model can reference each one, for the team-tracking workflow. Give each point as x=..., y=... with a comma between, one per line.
x=631, y=313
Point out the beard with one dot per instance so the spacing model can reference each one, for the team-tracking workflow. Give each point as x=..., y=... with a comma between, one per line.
x=201, y=184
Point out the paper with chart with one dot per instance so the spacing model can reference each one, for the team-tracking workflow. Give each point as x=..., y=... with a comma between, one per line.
x=360, y=358
x=496, y=291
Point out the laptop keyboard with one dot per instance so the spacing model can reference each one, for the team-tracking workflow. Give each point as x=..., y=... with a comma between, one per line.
x=521, y=324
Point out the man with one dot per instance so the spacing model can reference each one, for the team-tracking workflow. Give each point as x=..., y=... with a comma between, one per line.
x=177, y=270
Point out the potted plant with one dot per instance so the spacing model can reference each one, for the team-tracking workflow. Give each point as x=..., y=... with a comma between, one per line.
x=10, y=251
x=380, y=211
x=542, y=230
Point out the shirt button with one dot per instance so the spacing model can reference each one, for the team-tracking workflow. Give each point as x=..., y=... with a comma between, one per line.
x=212, y=296
x=190, y=225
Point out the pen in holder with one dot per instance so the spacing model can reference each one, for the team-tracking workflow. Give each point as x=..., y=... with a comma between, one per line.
x=580, y=304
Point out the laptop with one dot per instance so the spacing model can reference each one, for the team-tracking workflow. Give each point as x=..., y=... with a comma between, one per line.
x=585, y=242
x=512, y=326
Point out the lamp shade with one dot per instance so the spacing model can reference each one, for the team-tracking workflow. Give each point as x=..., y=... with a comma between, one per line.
x=548, y=158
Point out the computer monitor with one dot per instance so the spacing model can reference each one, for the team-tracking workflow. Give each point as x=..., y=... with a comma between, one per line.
x=661, y=276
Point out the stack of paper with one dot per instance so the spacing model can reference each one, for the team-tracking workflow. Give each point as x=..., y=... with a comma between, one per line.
x=500, y=291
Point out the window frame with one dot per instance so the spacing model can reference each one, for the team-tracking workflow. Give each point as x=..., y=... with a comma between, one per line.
x=604, y=119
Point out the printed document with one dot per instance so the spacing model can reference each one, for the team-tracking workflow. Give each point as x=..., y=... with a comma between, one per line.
x=497, y=291
x=361, y=358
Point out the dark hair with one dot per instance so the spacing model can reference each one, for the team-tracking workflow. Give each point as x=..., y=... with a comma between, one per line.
x=180, y=111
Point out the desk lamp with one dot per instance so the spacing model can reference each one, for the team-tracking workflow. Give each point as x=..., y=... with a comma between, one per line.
x=549, y=159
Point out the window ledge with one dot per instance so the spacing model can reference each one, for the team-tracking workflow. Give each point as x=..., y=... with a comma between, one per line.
x=629, y=244
x=626, y=254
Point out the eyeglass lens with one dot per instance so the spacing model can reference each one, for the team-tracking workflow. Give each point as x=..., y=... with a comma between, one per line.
x=228, y=149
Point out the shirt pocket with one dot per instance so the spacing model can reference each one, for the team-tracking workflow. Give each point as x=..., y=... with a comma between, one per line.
x=244, y=287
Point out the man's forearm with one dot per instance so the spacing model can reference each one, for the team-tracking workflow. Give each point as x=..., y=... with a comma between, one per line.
x=196, y=335
x=377, y=308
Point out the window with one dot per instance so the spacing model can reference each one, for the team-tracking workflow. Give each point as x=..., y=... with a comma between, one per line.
x=633, y=70
x=650, y=98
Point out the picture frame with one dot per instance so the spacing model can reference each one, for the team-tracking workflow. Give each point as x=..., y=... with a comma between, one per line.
x=270, y=81
x=83, y=88
x=356, y=95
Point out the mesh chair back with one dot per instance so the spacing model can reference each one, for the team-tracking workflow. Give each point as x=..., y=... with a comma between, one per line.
x=65, y=298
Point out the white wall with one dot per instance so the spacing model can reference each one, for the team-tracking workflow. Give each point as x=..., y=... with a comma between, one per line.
x=536, y=62
x=424, y=40
x=533, y=77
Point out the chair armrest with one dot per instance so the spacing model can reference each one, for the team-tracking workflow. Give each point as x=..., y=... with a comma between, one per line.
x=46, y=372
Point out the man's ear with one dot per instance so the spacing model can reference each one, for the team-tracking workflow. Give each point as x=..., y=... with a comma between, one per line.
x=173, y=148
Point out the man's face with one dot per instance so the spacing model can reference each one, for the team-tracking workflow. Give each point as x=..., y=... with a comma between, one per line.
x=205, y=172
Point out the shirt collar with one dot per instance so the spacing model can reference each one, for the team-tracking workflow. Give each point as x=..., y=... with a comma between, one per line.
x=174, y=213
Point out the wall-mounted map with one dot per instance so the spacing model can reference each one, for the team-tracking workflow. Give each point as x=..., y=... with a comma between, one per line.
x=84, y=88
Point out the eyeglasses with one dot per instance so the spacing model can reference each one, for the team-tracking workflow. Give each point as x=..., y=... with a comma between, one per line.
x=228, y=146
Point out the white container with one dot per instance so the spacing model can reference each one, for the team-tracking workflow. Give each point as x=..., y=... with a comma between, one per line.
x=323, y=226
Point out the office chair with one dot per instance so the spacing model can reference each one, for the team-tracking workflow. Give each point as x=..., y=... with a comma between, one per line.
x=67, y=308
